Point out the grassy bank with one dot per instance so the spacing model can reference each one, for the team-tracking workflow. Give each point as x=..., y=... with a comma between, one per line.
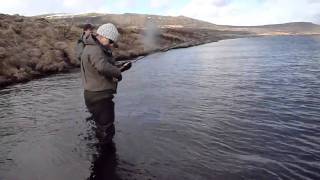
x=35, y=47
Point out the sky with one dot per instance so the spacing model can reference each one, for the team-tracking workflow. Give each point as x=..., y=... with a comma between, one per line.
x=226, y=12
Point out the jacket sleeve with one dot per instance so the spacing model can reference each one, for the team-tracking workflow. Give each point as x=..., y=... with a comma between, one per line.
x=100, y=62
x=79, y=47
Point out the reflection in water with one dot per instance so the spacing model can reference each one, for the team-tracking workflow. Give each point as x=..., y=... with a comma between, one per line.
x=102, y=110
x=105, y=163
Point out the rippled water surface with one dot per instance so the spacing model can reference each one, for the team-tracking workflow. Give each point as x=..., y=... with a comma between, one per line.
x=236, y=109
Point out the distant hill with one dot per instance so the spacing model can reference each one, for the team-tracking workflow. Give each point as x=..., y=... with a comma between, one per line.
x=143, y=20
x=130, y=20
x=278, y=29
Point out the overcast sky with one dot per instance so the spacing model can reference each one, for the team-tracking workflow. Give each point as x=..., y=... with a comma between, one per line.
x=231, y=12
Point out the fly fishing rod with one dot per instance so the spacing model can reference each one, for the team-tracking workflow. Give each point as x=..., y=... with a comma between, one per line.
x=160, y=50
x=125, y=63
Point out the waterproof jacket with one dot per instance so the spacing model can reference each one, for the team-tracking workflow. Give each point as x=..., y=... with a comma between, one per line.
x=98, y=70
x=79, y=47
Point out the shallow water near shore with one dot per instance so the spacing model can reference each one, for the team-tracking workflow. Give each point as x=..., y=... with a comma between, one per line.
x=236, y=109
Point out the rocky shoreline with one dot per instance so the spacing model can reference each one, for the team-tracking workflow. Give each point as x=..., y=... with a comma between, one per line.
x=35, y=47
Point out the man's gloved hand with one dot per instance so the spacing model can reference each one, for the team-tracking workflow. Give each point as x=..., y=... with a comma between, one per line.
x=119, y=64
x=119, y=78
x=126, y=66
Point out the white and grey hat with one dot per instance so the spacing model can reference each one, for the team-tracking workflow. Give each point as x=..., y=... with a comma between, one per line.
x=109, y=31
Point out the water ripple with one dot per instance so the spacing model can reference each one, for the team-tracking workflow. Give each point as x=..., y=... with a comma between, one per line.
x=237, y=109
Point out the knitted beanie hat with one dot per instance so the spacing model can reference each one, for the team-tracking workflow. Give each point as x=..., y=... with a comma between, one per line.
x=108, y=31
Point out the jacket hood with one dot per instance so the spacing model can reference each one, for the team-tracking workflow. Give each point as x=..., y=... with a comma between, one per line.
x=91, y=40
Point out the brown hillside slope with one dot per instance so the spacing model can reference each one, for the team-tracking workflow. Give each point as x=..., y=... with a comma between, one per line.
x=33, y=47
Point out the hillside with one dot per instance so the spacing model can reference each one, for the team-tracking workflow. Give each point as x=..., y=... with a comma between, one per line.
x=294, y=28
x=129, y=20
x=140, y=21
x=32, y=47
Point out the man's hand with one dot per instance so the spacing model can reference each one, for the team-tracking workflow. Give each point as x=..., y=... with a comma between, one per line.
x=120, y=78
x=126, y=66
x=117, y=79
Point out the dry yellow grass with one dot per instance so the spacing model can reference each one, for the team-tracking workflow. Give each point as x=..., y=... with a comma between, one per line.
x=31, y=47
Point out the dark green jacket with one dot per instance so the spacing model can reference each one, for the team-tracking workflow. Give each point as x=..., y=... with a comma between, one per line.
x=79, y=47
x=98, y=70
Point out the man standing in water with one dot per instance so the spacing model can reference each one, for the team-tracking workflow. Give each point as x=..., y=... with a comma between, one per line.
x=100, y=77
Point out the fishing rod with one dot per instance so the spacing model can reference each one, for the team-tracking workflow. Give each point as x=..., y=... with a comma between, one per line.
x=154, y=51
x=137, y=59
x=126, y=62
x=160, y=50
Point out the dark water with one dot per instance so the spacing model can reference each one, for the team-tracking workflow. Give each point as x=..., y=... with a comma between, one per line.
x=237, y=109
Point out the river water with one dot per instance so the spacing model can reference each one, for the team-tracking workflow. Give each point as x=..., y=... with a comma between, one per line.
x=237, y=109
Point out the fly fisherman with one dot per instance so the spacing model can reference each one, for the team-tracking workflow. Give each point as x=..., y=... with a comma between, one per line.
x=100, y=77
